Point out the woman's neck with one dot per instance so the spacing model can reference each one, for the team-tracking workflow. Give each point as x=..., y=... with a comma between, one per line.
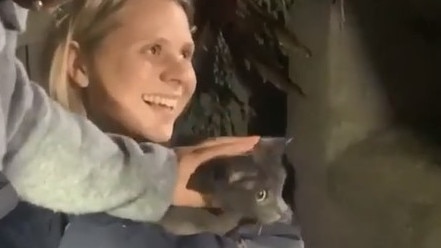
x=111, y=126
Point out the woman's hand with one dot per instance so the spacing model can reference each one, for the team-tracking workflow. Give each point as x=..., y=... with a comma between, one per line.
x=191, y=157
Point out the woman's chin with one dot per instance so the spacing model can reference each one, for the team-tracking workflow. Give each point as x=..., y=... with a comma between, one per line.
x=160, y=136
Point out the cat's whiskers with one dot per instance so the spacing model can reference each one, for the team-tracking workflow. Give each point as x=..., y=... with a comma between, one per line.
x=260, y=230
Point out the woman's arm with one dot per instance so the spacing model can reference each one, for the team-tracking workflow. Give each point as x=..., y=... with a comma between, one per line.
x=278, y=235
x=272, y=236
x=61, y=161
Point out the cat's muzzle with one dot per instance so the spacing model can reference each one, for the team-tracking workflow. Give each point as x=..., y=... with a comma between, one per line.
x=286, y=216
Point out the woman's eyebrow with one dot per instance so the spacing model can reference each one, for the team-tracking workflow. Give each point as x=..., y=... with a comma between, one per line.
x=160, y=39
x=166, y=41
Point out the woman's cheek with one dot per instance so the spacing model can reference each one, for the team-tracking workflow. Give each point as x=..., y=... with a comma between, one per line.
x=182, y=105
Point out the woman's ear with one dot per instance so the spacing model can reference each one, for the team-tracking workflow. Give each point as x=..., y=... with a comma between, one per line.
x=76, y=66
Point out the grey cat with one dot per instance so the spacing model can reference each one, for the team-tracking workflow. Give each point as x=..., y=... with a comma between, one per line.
x=245, y=188
x=386, y=191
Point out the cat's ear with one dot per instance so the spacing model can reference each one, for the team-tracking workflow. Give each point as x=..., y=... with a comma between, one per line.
x=207, y=177
x=272, y=145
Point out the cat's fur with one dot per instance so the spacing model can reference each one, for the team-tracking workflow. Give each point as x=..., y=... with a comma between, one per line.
x=387, y=189
x=234, y=184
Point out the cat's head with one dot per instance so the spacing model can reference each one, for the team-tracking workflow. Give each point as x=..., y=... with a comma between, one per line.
x=257, y=194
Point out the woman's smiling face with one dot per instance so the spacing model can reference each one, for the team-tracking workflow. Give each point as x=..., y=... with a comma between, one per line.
x=140, y=76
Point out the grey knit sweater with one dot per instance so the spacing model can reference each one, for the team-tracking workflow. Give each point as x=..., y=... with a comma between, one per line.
x=61, y=161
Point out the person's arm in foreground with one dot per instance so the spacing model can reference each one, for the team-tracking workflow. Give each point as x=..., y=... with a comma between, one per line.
x=61, y=161
x=278, y=235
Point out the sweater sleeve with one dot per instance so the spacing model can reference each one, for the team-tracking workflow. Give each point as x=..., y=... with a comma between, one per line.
x=61, y=161
x=278, y=235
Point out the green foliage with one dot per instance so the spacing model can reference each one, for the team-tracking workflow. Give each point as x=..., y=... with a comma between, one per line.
x=238, y=42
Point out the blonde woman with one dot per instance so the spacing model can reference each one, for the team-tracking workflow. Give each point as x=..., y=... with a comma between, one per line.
x=127, y=66
x=61, y=161
x=52, y=157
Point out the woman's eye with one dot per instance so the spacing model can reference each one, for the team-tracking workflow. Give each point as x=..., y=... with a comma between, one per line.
x=155, y=49
x=187, y=54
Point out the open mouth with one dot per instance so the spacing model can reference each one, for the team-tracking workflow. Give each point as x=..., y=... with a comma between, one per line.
x=160, y=101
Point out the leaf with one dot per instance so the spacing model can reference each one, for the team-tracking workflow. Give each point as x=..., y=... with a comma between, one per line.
x=276, y=77
x=286, y=38
x=289, y=41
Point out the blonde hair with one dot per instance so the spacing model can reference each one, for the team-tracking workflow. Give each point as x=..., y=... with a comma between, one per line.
x=83, y=21
x=86, y=22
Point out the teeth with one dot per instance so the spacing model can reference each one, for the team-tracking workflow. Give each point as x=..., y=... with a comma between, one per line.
x=159, y=100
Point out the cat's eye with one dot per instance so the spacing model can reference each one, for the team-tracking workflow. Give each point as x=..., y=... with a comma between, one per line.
x=261, y=195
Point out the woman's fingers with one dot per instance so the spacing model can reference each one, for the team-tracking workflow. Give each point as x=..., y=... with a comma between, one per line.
x=224, y=140
x=230, y=148
x=227, y=140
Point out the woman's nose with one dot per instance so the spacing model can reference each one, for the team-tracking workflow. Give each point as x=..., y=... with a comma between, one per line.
x=179, y=72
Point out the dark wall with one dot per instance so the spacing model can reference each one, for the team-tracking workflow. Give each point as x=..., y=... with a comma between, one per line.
x=403, y=39
x=270, y=107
